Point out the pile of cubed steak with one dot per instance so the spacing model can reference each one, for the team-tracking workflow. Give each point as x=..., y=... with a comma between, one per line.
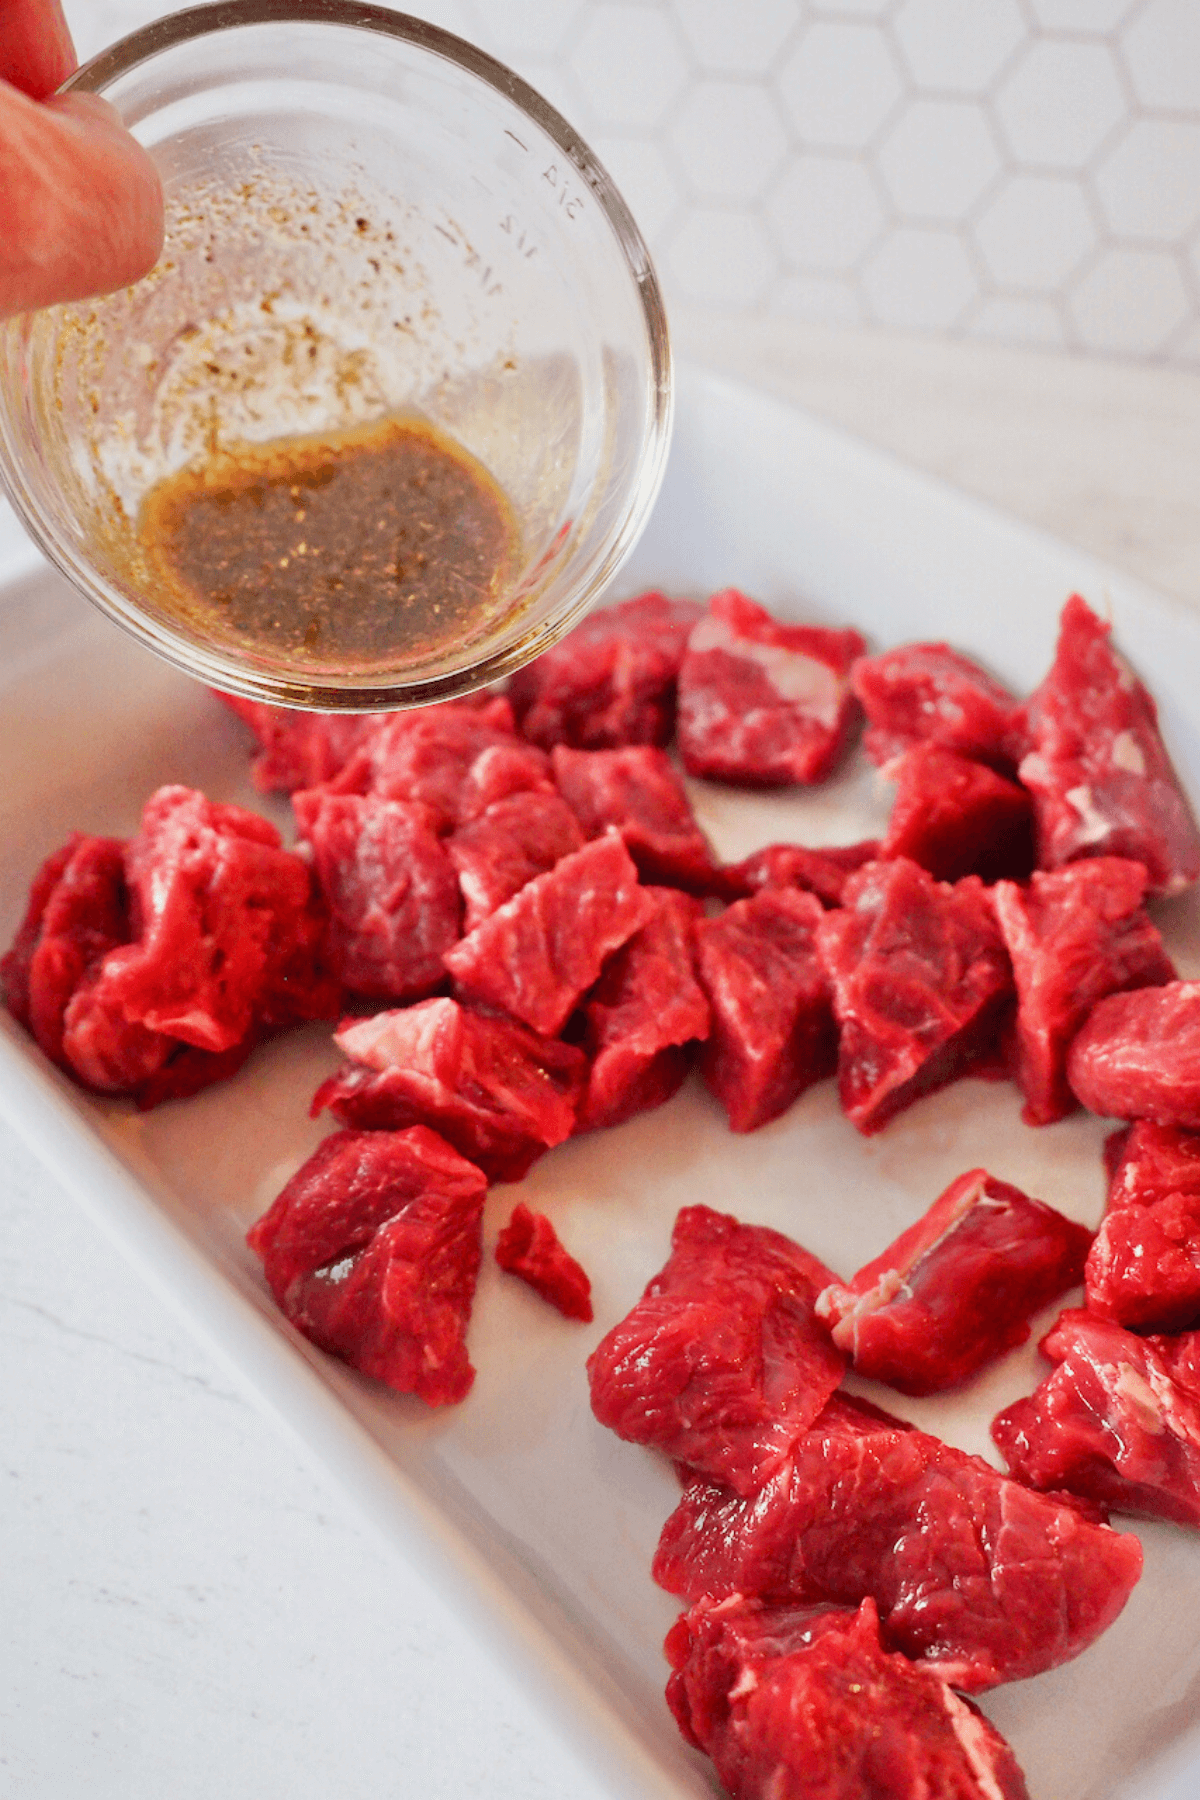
x=510, y=908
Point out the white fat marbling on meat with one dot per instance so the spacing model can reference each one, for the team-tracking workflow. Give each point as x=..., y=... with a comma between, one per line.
x=972, y=1734
x=804, y=680
x=1095, y=826
x=1127, y=754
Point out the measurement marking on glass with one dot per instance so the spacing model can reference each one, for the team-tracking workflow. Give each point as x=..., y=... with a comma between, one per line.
x=569, y=198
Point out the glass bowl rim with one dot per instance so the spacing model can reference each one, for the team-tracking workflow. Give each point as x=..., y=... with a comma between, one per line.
x=201, y=662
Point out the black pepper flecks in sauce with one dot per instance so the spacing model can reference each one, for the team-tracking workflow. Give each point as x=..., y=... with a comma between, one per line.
x=385, y=542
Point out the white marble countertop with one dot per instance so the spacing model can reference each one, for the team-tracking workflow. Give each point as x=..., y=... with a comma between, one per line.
x=189, y=1611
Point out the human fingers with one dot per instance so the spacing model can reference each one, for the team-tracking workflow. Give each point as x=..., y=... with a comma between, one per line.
x=36, y=52
x=80, y=201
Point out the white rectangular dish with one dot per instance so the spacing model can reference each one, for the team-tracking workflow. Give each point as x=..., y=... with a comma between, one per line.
x=535, y=1518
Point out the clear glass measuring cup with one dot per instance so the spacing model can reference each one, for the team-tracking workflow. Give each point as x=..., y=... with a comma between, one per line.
x=367, y=218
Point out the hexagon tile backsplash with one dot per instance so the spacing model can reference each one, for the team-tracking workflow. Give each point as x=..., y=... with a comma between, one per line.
x=1021, y=170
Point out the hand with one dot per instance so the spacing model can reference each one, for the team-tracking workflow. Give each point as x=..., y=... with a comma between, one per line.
x=80, y=201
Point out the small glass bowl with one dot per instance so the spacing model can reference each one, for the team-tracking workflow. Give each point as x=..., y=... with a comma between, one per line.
x=366, y=217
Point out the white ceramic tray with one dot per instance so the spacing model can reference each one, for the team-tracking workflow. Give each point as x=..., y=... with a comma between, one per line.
x=537, y=1522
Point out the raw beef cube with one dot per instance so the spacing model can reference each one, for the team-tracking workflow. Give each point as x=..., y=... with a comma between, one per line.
x=974, y=1574
x=1144, y=1267
x=1138, y=1056
x=431, y=756
x=772, y=1027
x=929, y=694
x=1117, y=1421
x=499, y=773
x=538, y=954
x=502, y=848
x=805, y=1703
x=823, y=871
x=612, y=681
x=529, y=1247
x=920, y=978
x=103, y=1047
x=372, y=1250
x=301, y=749
x=496, y=1091
x=720, y=1364
x=956, y=817
x=763, y=704
x=390, y=887
x=637, y=792
x=644, y=1011
x=189, y=1071
x=1101, y=780
x=958, y=1288
x=1146, y=1162
x=1074, y=936
x=78, y=911
x=216, y=904
x=14, y=965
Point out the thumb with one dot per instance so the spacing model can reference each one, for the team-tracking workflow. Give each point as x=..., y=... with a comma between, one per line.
x=80, y=201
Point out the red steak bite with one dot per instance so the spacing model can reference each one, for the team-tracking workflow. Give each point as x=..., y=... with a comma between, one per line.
x=973, y=1574
x=1118, y=1420
x=506, y=845
x=763, y=704
x=611, y=681
x=637, y=792
x=956, y=817
x=720, y=1364
x=529, y=1247
x=958, y=1288
x=929, y=694
x=390, y=887
x=301, y=749
x=78, y=911
x=643, y=1013
x=536, y=955
x=217, y=907
x=823, y=871
x=920, y=977
x=433, y=755
x=1138, y=1056
x=804, y=1703
x=1101, y=780
x=1143, y=1269
x=1074, y=936
x=372, y=1251
x=494, y=1090
x=772, y=1028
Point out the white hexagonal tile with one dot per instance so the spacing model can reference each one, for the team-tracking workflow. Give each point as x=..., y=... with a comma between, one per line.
x=647, y=182
x=959, y=45
x=919, y=279
x=1008, y=320
x=825, y=212
x=939, y=158
x=839, y=84
x=820, y=299
x=1096, y=16
x=735, y=38
x=529, y=27
x=1187, y=348
x=1150, y=186
x=856, y=9
x=1035, y=232
x=1131, y=302
x=629, y=64
x=718, y=258
x=1161, y=48
x=1060, y=103
x=728, y=139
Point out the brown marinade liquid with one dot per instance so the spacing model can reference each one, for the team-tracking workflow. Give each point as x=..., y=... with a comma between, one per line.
x=385, y=542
